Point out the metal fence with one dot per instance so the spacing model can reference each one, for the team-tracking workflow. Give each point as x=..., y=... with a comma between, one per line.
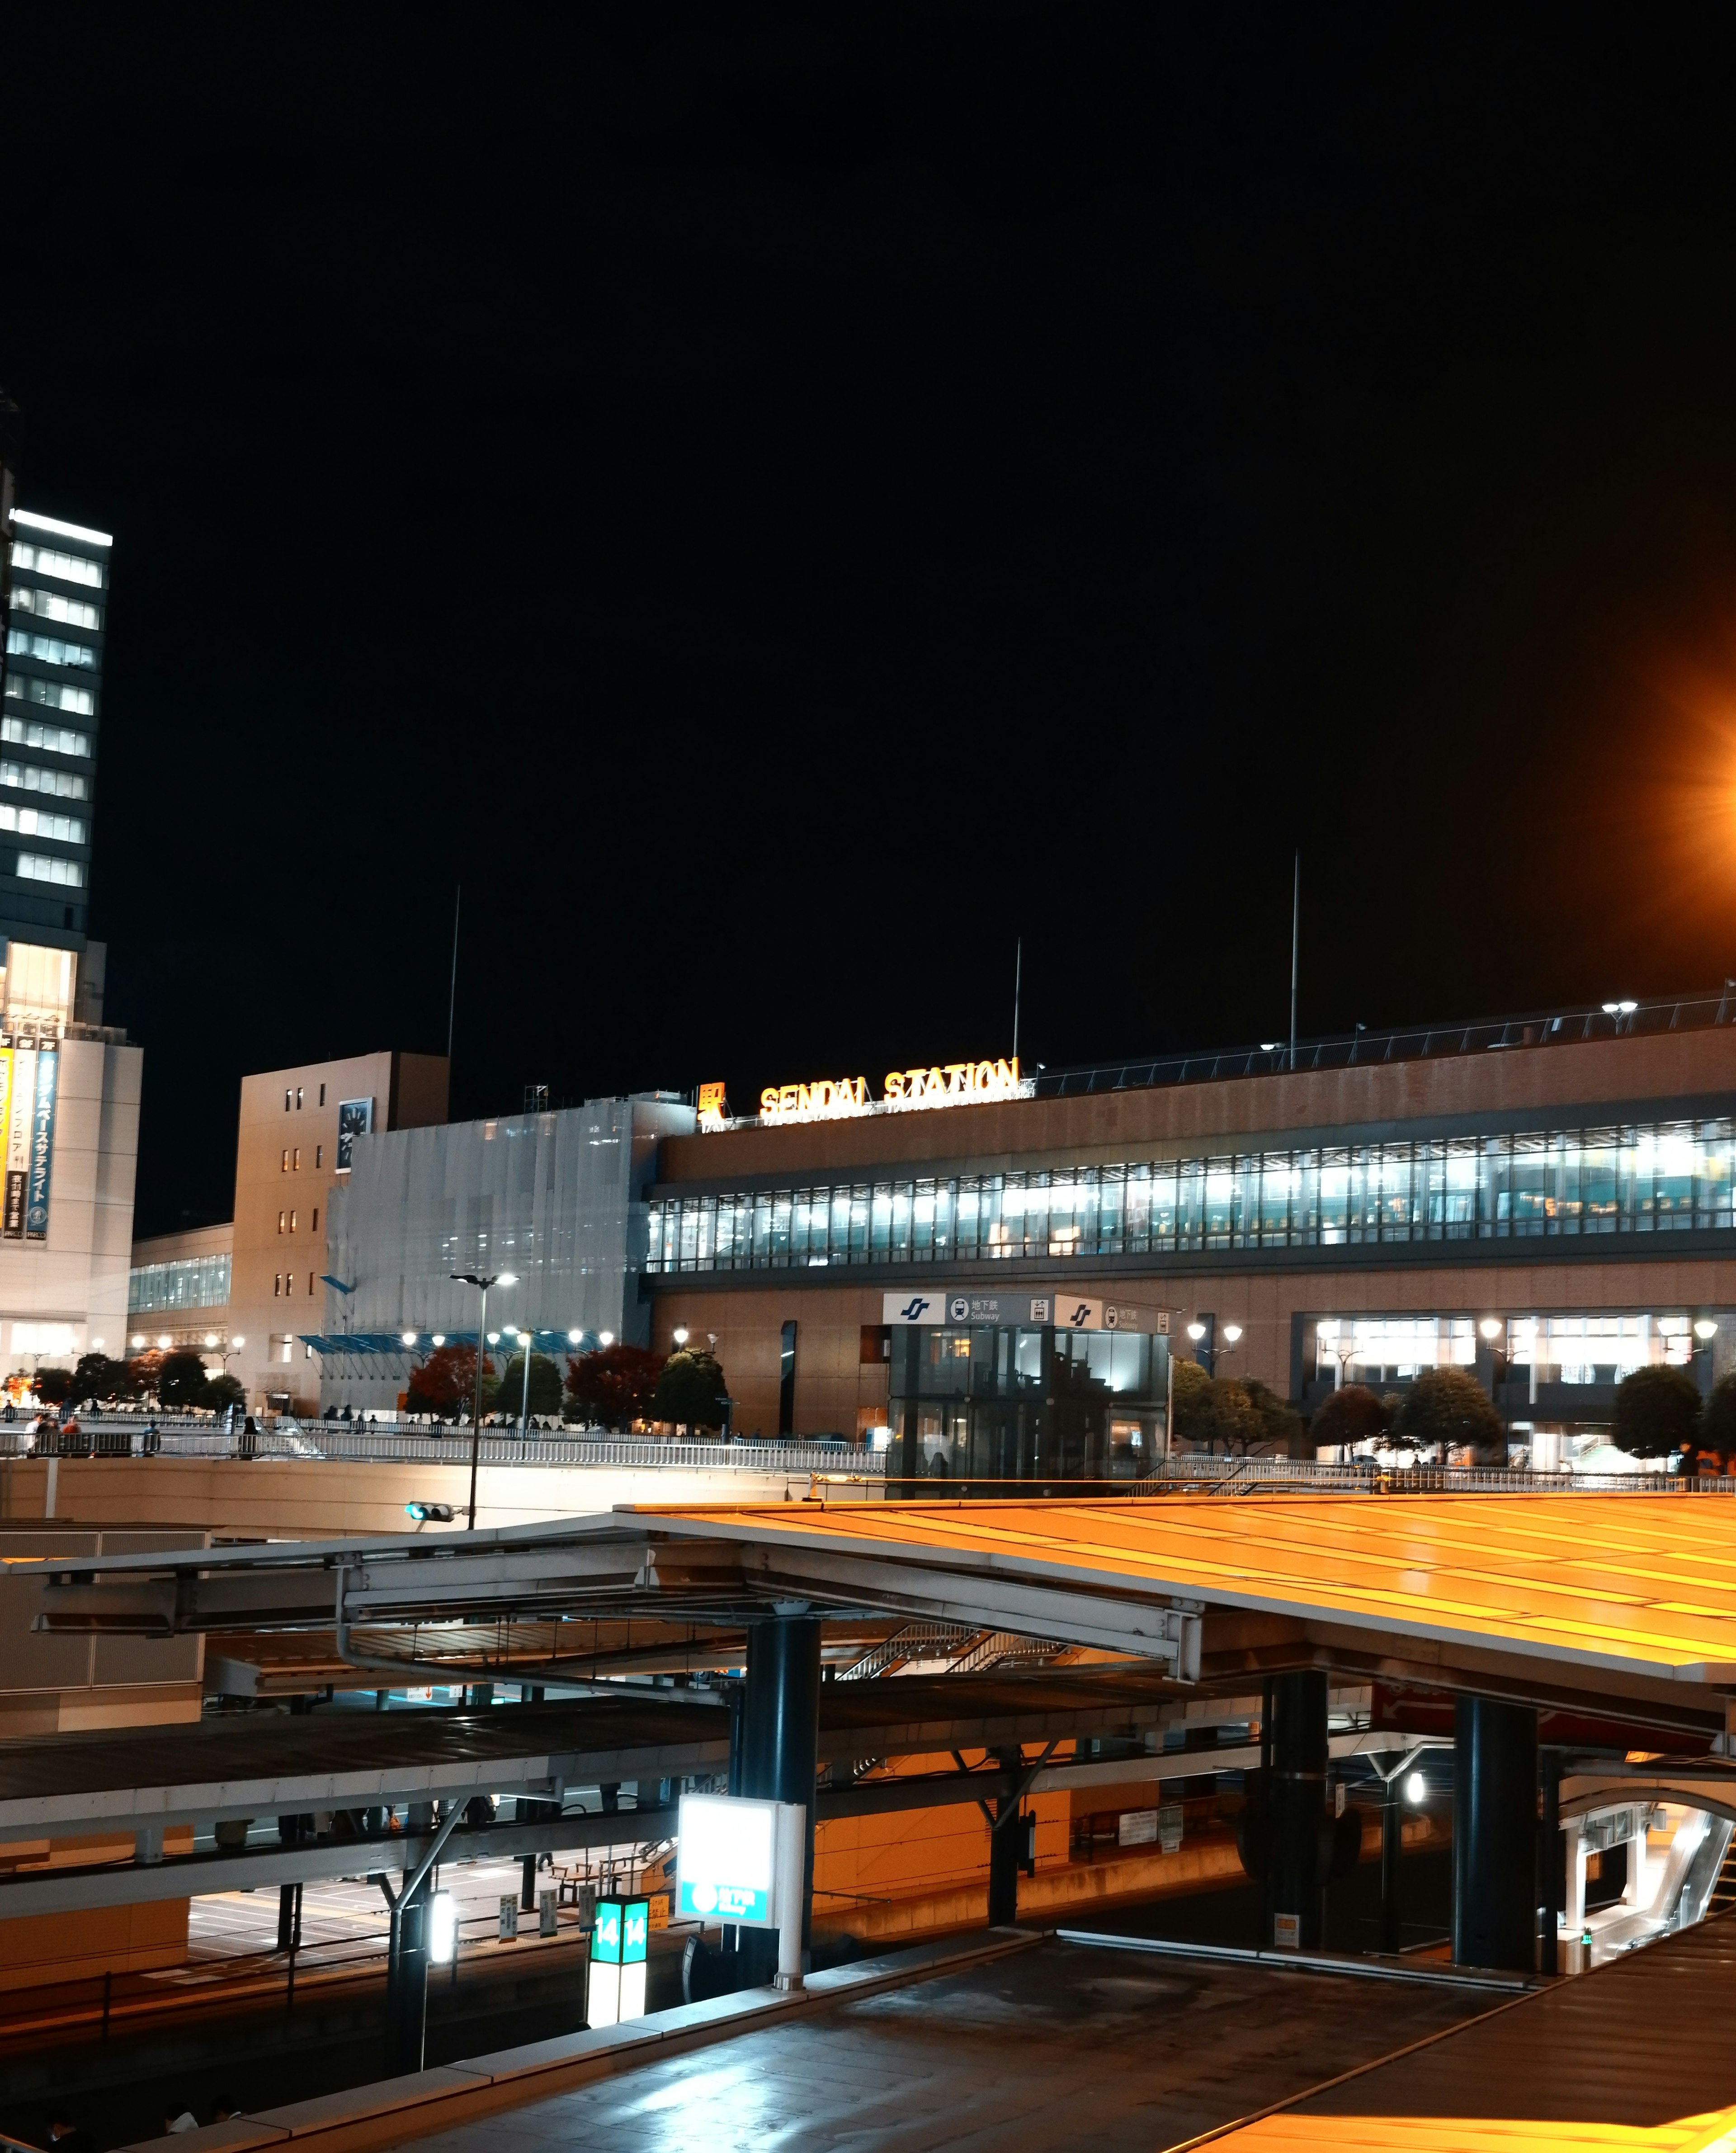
x=1232, y=1476
x=134, y=1435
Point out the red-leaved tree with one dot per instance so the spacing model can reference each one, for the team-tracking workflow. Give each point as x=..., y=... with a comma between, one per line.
x=615, y=1384
x=447, y=1381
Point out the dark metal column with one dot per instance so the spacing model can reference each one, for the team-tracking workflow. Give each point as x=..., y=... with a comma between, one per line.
x=1494, y=1834
x=1297, y=1798
x=407, y=1984
x=1391, y=1847
x=1004, y=1850
x=780, y=1749
x=1549, y=1861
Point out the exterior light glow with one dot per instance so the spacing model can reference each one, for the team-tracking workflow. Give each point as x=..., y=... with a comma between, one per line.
x=137, y=1343
x=1490, y=1327
x=440, y=1338
x=1705, y=1328
x=494, y=1338
x=1416, y=1789
x=442, y=1928
x=1196, y=1331
x=96, y=1345
x=237, y=1340
x=507, y=1278
x=1232, y=1331
x=410, y=1338
x=211, y=1338
x=680, y=1334
x=165, y=1342
x=575, y=1337
x=61, y=529
x=605, y=1337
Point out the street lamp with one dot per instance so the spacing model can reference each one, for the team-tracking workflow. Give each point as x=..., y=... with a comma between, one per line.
x=1705, y=1328
x=482, y=1280
x=1340, y=1343
x=605, y=1339
x=680, y=1334
x=524, y=1412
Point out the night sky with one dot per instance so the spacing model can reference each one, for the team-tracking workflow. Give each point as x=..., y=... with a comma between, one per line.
x=779, y=510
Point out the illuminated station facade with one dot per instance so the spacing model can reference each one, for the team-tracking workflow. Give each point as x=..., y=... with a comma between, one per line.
x=985, y=1273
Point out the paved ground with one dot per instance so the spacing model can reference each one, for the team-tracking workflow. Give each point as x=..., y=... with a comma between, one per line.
x=1057, y=2048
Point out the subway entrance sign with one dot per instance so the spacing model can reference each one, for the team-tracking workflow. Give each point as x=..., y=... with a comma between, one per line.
x=726, y=1870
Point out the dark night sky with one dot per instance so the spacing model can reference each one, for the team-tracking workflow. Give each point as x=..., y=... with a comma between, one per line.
x=780, y=511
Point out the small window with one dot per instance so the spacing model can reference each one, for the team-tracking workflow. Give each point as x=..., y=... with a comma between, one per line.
x=310, y=1282
x=314, y=1224
x=292, y=1228
x=278, y=1286
x=286, y=1103
x=298, y=1098
x=322, y=1094
x=284, y=1167
x=319, y=1155
x=296, y=1155
x=281, y=1216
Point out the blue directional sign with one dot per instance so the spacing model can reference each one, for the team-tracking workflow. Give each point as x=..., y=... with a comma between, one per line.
x=635, y=1928
x=606, y=1935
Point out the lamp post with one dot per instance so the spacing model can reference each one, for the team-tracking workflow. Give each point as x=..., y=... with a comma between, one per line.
x=481, y=1280
x=524, y=1413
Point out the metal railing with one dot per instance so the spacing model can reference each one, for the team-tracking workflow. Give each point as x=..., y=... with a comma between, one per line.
x=1403, y=1043
x=132, y=1435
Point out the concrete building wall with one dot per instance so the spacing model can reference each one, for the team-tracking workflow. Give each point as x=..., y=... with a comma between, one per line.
x=285, y=1171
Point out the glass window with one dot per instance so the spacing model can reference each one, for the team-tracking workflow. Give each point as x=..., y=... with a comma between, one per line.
x=38, y=867
x=57, y=696
x=50, y=560
x=42, y=822
x=30, y=777
x=51, y=650
x=55, y=605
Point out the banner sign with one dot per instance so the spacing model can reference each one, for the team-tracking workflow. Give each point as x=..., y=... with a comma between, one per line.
x=944, y=1305
x=725, y=1868
x=42, y=1146
x=355, y=1118
x=20, y=1112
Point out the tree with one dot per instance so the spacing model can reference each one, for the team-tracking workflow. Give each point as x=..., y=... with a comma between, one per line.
x=225, y=1389
x=1718, y=1420
x=98, y=1377
x=1190, y=1386
x=445, y=1382
x=1219, y=1409
x=1351, y=1416
x=53, y=1386
x=142, y=1371
x=1658, y=1408
x=1280, y=1423
x=545, y=1386
x=690, y=1390
x=182, y=1381
x=1448, y=1408
x=614, y=1385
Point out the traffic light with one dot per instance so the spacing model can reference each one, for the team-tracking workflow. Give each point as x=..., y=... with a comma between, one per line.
x=432, y=1514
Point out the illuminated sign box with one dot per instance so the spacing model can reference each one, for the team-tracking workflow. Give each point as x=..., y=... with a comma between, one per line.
x=726, y=1870
x=841, y=1098
x=619, y=1944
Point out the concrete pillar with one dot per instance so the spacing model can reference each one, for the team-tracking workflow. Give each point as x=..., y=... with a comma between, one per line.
x=1296, y=1811
x=1494, y=1834
x=780, y=1751
x=407, y=1985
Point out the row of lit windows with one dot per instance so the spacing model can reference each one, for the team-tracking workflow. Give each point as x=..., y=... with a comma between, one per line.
x=49, y=561
x=292, y=1157
x=1575, y=1350
x=55, y=694
x=1675, y=1175
x=284, y=1282
x=31, y=732
x=42, y=822
x=31, y=777
x=190, y=1282
x=294, y=1091
x=45, y=867
x=51, y=650
x=291, y=1216
x=55, y=605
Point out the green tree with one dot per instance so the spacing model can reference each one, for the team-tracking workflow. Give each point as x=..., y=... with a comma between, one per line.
x=98, y=1377
x=1658, y=1410
x=1192, y=1387
x=690, y=1390
x=1718, y=1421
x=545, y=1386
x=182, y=1381
x=1280, y=1423
x=225, y=1389
x=1448, y=1408
x=1353, y=1415
x=612, y=1386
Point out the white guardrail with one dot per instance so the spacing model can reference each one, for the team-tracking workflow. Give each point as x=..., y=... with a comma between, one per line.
x=138, y=1435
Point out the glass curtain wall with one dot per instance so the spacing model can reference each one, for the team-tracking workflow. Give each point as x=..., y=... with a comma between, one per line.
x=983, y=1406
x=1657, y=1178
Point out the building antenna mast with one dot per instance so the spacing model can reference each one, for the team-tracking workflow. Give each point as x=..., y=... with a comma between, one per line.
x=1018, y=974
x=452, y=996
x=1295, y=951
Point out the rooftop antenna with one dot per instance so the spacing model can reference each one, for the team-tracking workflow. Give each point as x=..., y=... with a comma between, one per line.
x=1018, y=972
x=1295, y=951
x=452, y=997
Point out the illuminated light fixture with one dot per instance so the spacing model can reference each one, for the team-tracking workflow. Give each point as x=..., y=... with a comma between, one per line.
x=1416, y=1789
x=165, y=1342
x=408, y=1338
x=1490, y=1327
x=1620, y=1008
x=61, y=529
x=442, y=1928
x=237, y=1340
x=96, y=1345
x=605, y=1337
x=137, y=1343
x=494, y=1338
x=1232, y=1331
x=211, y=1338
x=1328, y=1329
x=507, y=1278
x=1196, y=1331
x=575, y=1337
x=1268, y=1046
x=1705, y=1328
x=436, y=1514
x=438, y=1338
x=680, y=1334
